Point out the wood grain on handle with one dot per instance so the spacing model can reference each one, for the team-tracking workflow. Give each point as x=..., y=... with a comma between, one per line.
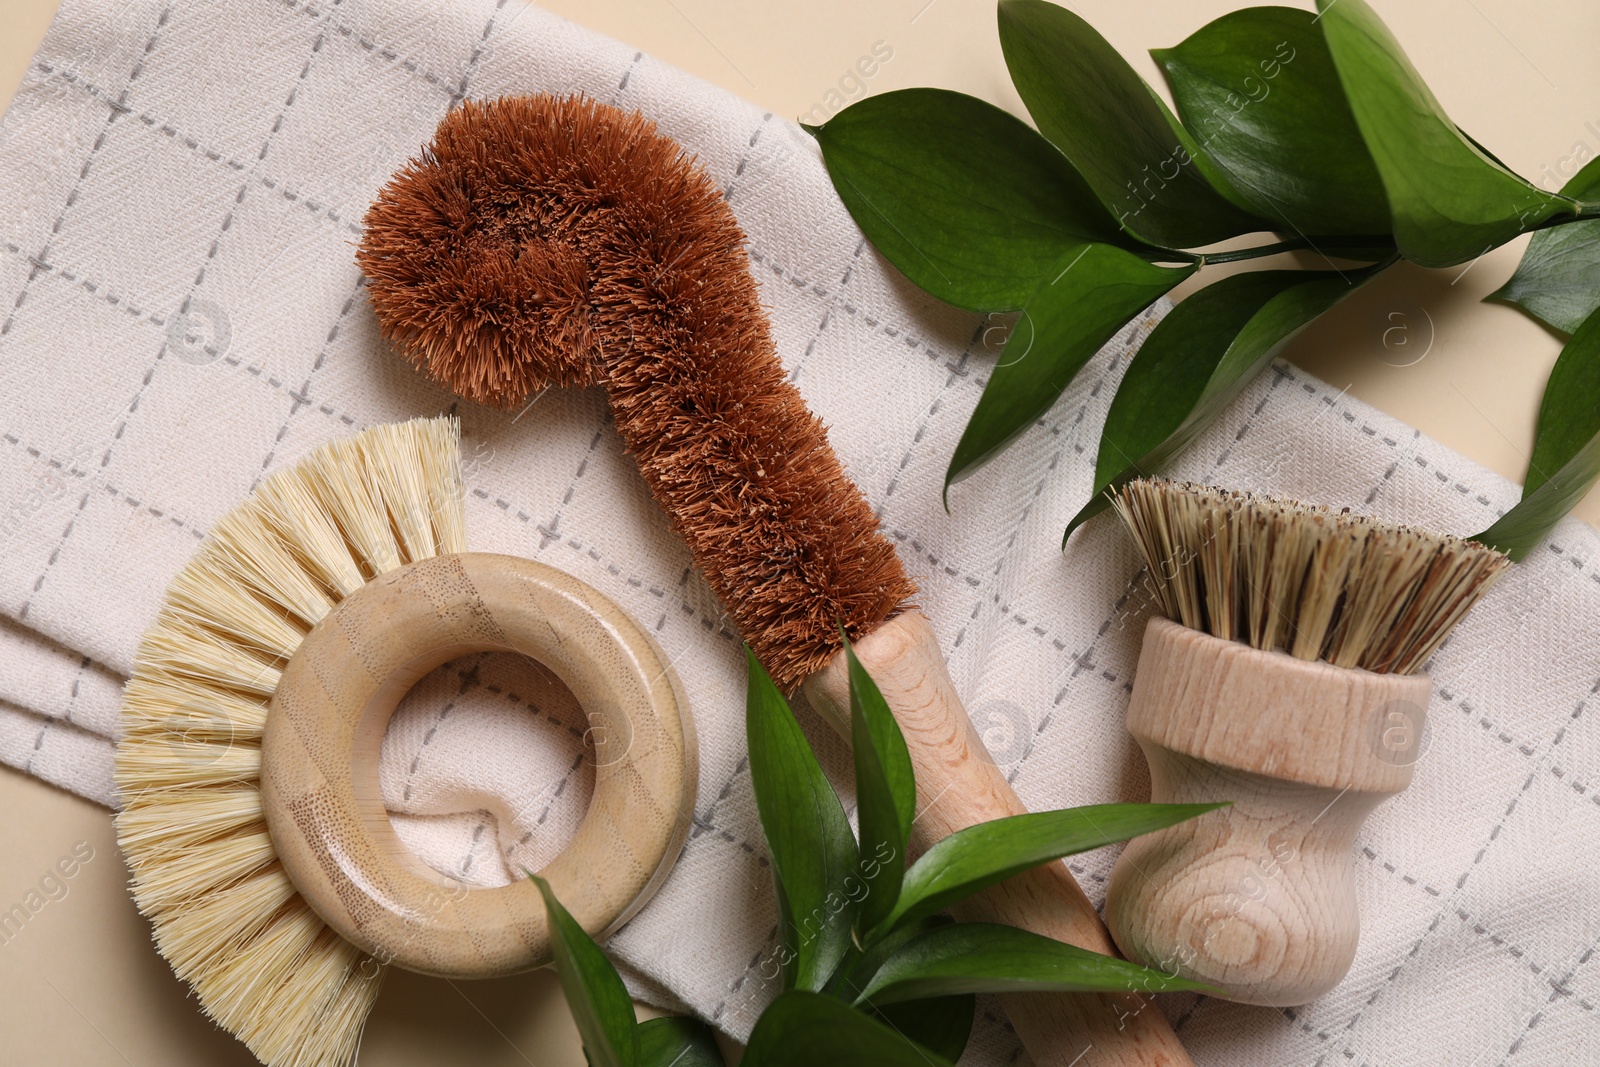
x=1258, y=898
x=958, y=785
x=319, y=776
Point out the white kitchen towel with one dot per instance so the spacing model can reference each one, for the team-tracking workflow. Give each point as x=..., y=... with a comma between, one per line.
x=181, y=185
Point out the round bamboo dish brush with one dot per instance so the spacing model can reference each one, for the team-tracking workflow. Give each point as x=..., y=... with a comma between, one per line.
x=1283, y=678
x=248, y=766
x=543, y=241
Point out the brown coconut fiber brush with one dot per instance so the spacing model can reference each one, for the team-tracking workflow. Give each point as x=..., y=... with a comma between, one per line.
x=1283, y=678
x=545, y=241
x=248, y=764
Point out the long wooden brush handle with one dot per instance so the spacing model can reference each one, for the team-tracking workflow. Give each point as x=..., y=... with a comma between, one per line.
x=1257, y=898
x=959, y=786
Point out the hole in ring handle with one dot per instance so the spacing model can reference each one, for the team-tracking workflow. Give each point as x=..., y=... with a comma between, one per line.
x=319, y=775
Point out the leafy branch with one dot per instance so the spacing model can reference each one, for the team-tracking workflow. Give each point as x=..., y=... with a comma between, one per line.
x=871, y=973
x=1316, y=128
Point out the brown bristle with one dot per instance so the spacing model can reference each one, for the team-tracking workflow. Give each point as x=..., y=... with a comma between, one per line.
x=542, y=240
x=1277, y=574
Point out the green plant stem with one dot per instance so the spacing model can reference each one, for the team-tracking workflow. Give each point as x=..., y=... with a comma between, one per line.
x=1587, y=211
x=1235, y=255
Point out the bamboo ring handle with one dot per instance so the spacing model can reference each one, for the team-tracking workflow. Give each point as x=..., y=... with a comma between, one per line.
x=319, y=777
x=959, y=785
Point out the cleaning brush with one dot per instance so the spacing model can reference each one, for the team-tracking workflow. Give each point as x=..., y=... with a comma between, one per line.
x=252, y=821
x=543, y=241
x=1283, y=678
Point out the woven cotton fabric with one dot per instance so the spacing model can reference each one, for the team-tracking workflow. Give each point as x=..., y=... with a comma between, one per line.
x=181, y=185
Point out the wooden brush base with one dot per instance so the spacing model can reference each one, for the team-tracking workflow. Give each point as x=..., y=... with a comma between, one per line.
x=1257, y=899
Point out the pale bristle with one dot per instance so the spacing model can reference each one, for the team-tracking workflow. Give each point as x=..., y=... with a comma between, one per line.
x=157, y=823
x=157, y=701
x=163, y=761
x=210, y=866
x=179, y=645
x=290, y=509
x=1280, y=575
x=226, y=916
x=327, y=982
x=224, y=922
x=213, y=593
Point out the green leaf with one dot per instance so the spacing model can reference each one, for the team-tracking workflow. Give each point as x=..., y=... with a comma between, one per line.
x=595, y=994
x=863, y=962
x=1119, y=135
x=1449, y=201
x=976, y=858
x=1258, y=88
x=968, y=201
x=1066, y=321
x=989, y=958
x=788, y=934
x=1196, y=361
x=941, y=1025
x=1170, y=372
x=886, y=792
x=675, y=1041
x=813, y=850
x=1566, y=447
x=806, y=1029
x=1558, y=280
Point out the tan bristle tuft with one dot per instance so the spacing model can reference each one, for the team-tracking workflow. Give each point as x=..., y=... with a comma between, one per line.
x=261, y=962
x=1280, y=575
x=558, y=241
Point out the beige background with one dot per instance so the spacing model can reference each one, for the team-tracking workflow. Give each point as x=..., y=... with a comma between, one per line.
x=81, y=984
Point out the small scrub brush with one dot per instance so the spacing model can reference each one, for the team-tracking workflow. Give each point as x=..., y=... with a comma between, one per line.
x=252, y=820
x=557, y=241
x=1283, y=678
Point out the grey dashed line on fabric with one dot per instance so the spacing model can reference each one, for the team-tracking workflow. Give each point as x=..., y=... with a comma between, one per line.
x=927, y=420
x=1557, y=989
x=738, y=171
x=708, y=820
x=1408, y=879
x=199, y=279
x=252, y=369
x=827, y=313
x=1494, y=835
x=302, y=398
x=389, y=53
x=460, y=92
x=1055, y=459
x=1199, y=1000
x=72, y=701
x=89, y=285
x=622, y=86
x=44, y=254
x=316, y=205
x=118, y=109
x=560, y=788
x=900, y=333
x=1460, y=487
x=550, y=531
x=427, y=739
